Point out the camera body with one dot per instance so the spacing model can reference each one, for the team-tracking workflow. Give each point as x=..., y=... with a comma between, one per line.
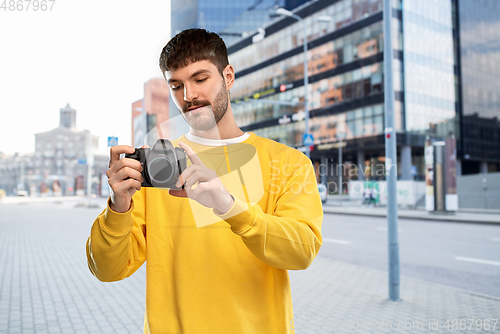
x=162, y=164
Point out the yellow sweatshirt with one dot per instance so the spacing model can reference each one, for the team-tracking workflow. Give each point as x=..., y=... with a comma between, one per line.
x=209, y=273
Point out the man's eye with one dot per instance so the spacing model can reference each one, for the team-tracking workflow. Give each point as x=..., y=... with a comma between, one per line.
x=201, y=80
x=176, y=88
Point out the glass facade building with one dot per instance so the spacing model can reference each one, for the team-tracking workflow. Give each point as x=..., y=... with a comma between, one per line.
x=232, y=20
x=437, y=59
x=446, y=79
x=479, y=54
x=212, y=15
x=346, y=86
x=335, y=63
x=429, y=67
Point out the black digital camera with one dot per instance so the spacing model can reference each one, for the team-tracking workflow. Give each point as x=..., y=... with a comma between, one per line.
x=162, y=164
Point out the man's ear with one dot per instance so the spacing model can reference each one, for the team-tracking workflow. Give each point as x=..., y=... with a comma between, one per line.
x=229, y=76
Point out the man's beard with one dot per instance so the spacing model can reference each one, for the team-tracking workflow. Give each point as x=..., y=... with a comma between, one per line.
x=219, y=109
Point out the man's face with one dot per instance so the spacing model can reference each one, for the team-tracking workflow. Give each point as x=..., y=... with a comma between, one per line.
x=200, y=93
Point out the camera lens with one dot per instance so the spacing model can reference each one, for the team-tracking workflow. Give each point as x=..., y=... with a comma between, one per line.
x=161, y=170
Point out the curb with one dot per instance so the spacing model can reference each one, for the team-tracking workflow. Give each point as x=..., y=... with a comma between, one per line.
x=452, y=219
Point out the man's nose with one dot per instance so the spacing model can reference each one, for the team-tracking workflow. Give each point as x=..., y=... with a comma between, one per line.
x=189, y=94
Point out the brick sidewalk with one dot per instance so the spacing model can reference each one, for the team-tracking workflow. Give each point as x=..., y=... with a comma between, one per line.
x=332, y=296
x=46, y=287
x=45, y=283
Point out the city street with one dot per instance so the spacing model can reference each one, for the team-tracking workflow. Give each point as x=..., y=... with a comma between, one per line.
x=381, y=104
x=461, y=255
x=46, y=287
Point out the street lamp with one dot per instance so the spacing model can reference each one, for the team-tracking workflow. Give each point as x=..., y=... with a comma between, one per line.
x=261, y=34
x=284, y=12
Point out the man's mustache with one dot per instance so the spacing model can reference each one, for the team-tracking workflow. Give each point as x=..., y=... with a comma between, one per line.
x=194, y=104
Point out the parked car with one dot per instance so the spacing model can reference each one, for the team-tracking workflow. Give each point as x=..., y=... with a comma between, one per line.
x=22, y=193
x=323, y=192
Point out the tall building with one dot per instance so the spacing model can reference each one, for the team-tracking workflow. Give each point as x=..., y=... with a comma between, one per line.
x=230, y=19
x=479, y=31
x=345, y=88
x=346, y=82
x=150, y=111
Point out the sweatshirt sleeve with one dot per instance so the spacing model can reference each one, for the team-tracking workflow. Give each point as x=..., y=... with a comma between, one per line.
x=290, y=238
x=116, y=247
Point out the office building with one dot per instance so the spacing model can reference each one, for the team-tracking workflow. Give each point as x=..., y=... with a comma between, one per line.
x=479, y=66
x=230, y=19
x=346, y=83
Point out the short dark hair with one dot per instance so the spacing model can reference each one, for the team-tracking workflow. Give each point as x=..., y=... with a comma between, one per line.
x=193, y=45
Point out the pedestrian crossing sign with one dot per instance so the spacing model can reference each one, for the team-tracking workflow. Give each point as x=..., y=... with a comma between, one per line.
x=308, y=139
x=112, y=141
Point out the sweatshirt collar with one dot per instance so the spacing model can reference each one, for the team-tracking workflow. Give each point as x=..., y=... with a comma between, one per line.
x=216, y=142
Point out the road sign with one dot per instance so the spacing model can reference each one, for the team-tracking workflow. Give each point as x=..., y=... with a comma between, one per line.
x=308, y=139
x=112, y=141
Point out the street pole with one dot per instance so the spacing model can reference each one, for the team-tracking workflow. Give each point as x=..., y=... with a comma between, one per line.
x=306, y=83
x=390, y=157
x=340, y=170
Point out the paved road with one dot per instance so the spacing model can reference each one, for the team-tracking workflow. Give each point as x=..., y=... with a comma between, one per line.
x=45, y=284
x=461, y=255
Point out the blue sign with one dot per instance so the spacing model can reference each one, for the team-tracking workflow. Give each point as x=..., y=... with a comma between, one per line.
x=308, y=139
x=112, y=141
x=82, y=161
x=413, y=170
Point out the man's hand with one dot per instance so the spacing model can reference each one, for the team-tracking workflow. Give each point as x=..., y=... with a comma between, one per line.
x=209, y=192
x=124, y=178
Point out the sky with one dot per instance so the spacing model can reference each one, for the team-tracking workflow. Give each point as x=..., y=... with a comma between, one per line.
x=94, y=55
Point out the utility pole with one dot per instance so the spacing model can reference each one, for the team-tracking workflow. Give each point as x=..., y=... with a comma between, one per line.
x=390, y=157
x=340, y=137
x=340, y=170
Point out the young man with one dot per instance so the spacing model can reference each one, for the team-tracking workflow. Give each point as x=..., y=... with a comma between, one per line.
x=228, y=275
